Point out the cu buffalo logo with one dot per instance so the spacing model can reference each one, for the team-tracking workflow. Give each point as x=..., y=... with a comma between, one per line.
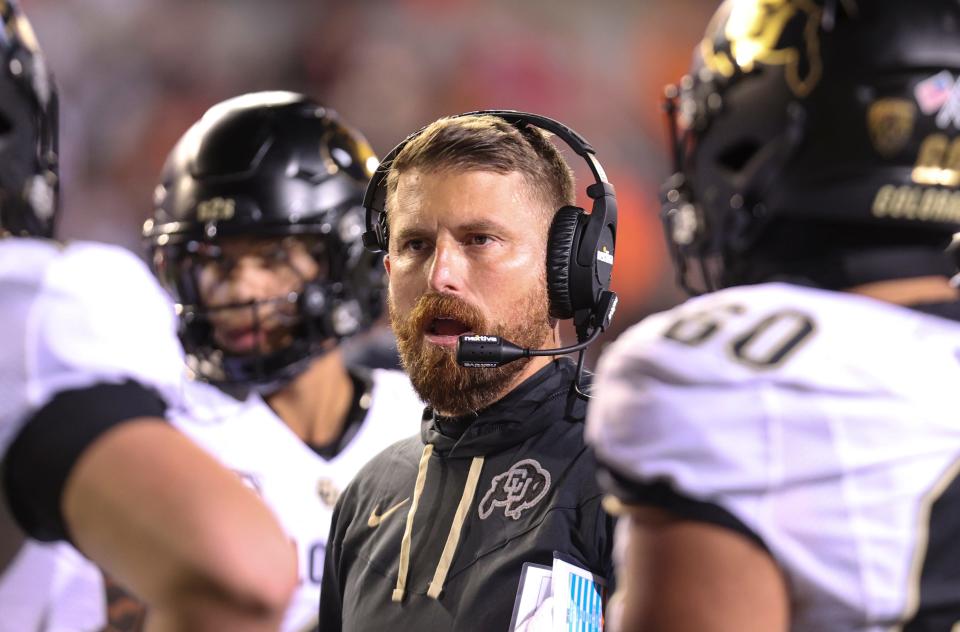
x=516, y=490
x=771, y=32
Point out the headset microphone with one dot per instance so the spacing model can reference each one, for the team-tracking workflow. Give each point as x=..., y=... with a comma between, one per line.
x=479, y=351
x=489, y=352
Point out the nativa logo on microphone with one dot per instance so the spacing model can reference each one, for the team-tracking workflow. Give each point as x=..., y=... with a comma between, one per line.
x=605, y=256
x=481, y=338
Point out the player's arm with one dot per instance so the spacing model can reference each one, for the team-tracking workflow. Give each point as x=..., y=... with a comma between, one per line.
x=96, y=464
x=681, y=575
x=181, y=531
x=152, y=509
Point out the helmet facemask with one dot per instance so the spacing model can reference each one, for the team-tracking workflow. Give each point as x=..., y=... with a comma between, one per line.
x=29, y=169
x=266, y=336
x=266, y=168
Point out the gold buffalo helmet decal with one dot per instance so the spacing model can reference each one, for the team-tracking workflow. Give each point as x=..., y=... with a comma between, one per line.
x=744, y=33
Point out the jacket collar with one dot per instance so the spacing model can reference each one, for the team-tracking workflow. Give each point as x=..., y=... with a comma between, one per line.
x=524, y=412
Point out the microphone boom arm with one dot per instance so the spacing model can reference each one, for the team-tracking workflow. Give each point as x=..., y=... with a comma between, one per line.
x=480, y=351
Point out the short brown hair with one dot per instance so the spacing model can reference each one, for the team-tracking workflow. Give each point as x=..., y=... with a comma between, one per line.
x=488, y=143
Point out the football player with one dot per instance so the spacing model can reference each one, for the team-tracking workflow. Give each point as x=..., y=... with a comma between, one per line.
x=785, y=448
x=88, y=367
x=257, y=236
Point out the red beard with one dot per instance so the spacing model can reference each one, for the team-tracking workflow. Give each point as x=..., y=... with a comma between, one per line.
x=449, y=388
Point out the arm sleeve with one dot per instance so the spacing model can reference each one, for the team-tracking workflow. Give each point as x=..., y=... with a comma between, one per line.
x=746, y=452
x=40, y=459
x=680, y=441
x=95, y=345
x=662, y=495
x=101, y=317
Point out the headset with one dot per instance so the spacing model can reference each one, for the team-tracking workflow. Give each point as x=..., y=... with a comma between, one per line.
x=580, y=250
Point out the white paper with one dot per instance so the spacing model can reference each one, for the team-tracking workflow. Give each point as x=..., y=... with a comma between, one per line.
x=533, y=609
x=578, y=598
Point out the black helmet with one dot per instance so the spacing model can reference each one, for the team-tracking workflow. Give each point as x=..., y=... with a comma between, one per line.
x=29, y=184
x=268, y=164
x=813, y=132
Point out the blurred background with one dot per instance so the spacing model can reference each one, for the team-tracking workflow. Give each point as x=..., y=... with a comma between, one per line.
x=134, y=74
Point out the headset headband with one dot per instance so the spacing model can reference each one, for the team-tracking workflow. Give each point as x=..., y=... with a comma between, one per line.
x=374, y=200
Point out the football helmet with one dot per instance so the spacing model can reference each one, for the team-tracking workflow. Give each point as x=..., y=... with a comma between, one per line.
x=811, y=135
x=29, y=181
x=267, y=164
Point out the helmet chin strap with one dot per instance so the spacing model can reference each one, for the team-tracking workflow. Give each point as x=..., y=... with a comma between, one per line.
x=321, y=316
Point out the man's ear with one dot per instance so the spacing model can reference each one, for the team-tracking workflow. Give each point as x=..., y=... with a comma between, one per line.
x=386, y=264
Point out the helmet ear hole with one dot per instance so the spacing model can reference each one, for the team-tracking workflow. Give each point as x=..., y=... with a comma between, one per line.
x=5, y=125
x=736, y=157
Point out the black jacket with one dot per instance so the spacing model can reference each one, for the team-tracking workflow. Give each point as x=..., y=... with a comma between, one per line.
x=535, y=493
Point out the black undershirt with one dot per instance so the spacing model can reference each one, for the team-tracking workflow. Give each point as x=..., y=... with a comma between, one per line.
x=662, y=495
x=40, y=459
x=362, y=385
x=949, y=310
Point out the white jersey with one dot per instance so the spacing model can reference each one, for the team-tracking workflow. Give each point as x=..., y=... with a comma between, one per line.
x=299, y=485
x=76, y=315
x=826, y=423
x=51, y=587
x=72, y=316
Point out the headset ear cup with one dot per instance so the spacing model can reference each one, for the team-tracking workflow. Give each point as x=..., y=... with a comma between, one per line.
x=563, y=231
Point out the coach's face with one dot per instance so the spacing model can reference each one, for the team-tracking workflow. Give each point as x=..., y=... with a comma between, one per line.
x=467, y=254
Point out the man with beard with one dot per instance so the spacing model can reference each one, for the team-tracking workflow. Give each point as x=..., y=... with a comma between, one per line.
x=434, y=533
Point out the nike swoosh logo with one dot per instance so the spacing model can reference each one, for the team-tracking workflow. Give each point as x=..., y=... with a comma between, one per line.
x=375, y=519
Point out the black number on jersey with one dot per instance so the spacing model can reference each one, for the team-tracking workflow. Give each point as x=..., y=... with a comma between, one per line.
x=315, y=562
x=935, y=601
x=764, y=345
x=698, y=328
